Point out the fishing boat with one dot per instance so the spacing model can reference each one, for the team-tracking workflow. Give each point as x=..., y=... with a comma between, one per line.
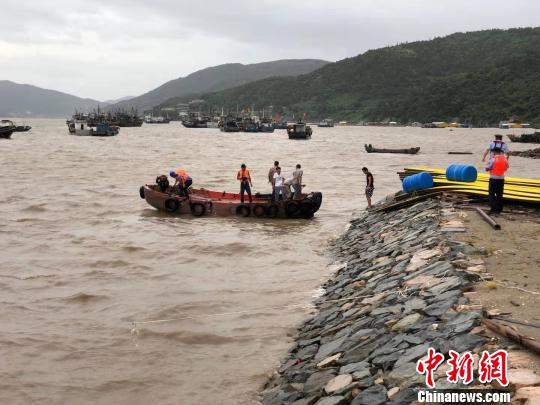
x=409, y=151
x=299, y=131
x=230, y=125
x=156, y=120
x=326, y=123
x=7, y=127
x=280, y=125
x=202, y=202
x=194, y=120
x=266, y=127
x=81, y=128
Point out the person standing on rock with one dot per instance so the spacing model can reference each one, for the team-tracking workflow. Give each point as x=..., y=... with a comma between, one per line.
x=369, y=186
x=497, y=167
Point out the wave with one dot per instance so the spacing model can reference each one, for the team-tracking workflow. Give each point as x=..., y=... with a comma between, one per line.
x=36, y=208
x=188, y=338
x=84, y=298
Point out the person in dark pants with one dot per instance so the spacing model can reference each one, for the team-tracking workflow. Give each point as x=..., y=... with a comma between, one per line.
x=245, y=182
x=497, y=167
x=369, y=186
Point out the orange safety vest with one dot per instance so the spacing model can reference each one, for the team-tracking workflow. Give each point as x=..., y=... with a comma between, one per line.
x=500, y=165
x=243, y=174
x=183, y=174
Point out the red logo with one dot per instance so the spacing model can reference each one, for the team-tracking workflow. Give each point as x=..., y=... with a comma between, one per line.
x=493, y=367
x=461, y=367
x=430, y=365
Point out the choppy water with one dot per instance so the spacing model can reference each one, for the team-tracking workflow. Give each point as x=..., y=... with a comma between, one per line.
x=82, y=257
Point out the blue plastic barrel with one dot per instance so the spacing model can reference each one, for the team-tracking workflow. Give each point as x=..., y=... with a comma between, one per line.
x=417, y=182
x=459, y=172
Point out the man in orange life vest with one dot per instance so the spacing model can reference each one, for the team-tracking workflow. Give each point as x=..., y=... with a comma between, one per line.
x=182, y=179
x=245, y=182
x=497, y=167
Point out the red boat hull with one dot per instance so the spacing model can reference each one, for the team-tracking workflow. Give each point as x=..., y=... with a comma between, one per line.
x=206, y=202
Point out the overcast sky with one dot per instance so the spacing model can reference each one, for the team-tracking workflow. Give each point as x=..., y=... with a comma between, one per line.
x=107, y=49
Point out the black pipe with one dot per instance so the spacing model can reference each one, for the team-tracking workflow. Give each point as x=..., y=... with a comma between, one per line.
x=488, y=219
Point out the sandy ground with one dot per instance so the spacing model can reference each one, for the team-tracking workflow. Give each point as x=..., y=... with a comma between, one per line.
x=513, y=258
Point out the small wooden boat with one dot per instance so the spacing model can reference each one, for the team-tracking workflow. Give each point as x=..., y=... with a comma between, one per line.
x=22, y=128
x=201, y=202
x=460, y=153
x=7, y=127
x=299, y=131
x=408, y=151
x=526, y=138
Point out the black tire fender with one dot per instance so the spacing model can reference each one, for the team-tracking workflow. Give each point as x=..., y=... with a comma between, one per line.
x=243, y=210
x=259, y=211
x=292, y=208
x=272, y=211
x=171, y=205
x=197, y=209
x=306, y=209
x=141, y=192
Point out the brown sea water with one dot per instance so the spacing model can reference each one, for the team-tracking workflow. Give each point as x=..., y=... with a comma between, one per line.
x=82, y=257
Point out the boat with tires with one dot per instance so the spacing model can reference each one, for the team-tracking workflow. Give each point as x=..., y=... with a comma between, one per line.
x=409, y=151
x=201, y=202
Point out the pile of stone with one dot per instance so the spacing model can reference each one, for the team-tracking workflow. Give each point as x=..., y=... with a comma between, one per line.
x=526, y=138
x=531, y=153
x=398, y=291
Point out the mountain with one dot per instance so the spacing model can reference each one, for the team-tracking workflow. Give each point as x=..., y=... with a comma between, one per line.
x=220, y=77
x=118, y=100
x=482, y=76
x=24, y=100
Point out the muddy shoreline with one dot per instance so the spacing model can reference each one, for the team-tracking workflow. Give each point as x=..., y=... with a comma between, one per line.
x=402, y=286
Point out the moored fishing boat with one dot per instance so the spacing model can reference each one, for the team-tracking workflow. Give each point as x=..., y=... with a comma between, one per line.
x=299, y=131
x=81, y=128
x=230, y=125
x=409, y=151
x=201, y=202
x=156, y=120
x=326, y=123
x=266, y=127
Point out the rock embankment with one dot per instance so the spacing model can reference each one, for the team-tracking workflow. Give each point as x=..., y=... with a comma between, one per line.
x=531, y=153
x=398, y=291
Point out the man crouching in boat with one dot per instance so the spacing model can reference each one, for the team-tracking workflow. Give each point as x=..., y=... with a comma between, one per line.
x=182, y=179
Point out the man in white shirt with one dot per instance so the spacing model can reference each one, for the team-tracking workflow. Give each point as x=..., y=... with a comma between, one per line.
x=277, y=183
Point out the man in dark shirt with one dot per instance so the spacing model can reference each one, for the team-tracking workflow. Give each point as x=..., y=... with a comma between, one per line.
x=369, y=186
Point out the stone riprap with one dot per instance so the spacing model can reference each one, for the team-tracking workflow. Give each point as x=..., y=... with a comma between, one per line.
x=398, y=291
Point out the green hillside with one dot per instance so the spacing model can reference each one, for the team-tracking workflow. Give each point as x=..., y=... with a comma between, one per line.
x=482, y=76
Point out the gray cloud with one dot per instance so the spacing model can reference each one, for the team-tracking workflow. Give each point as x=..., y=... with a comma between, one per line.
x=107, y=49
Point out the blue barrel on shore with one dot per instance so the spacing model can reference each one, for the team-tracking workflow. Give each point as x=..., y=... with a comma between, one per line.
x=417, y=182
x=459, y=172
